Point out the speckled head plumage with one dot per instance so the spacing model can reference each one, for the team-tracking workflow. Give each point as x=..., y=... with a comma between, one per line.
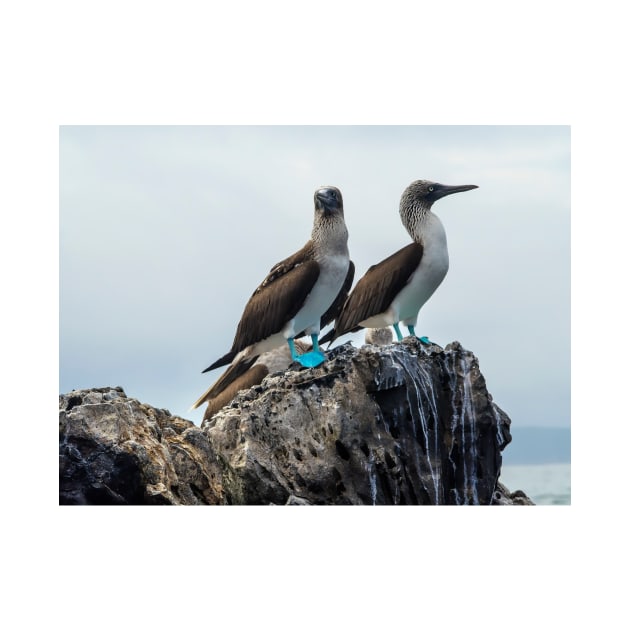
x=419, y=196
x=329, y=226
x=393, y=291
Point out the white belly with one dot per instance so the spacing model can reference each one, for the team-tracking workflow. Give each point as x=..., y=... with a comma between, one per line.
x=265, y=345
x=421, y=287
x=423, y=282
x=331, y=278
x=333, y=272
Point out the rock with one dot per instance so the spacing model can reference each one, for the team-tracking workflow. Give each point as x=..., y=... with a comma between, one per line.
x=402, y=424
x=502, y=496
x=115, y=450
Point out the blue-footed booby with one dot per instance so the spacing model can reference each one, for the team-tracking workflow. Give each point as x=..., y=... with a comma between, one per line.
x=393, y=291
x=243, y=375
x=300, y=292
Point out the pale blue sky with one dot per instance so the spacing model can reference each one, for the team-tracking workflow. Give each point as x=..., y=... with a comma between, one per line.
x=166, y=231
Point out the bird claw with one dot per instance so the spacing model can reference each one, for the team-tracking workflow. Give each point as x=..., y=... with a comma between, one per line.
x=424, y=340
x=311, y=359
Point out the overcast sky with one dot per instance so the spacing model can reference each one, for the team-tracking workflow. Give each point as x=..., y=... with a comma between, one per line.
x=139, y=263
x=166, y=231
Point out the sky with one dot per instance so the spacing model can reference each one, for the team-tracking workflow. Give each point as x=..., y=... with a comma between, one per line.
x=165, y=231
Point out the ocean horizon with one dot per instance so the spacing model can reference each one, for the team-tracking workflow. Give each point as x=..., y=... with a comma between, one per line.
x=544, y=484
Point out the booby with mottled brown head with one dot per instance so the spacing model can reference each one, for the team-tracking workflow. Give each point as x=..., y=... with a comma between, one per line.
x=393, y=291
x=300, y=291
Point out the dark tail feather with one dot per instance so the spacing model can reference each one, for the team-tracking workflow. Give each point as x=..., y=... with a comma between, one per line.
x=336, y=307
x=232, y=374
x=224, y=360
x=249, y=378
x=329, y=336
x=332, y=335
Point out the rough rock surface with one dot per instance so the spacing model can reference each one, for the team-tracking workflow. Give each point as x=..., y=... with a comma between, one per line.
x=400, y=424
x=115, y=450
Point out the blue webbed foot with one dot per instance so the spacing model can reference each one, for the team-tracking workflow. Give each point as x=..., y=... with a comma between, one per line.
x=412, y=332
x=311, y=359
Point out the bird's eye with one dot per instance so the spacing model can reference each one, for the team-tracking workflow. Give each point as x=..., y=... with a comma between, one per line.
x=430, y=188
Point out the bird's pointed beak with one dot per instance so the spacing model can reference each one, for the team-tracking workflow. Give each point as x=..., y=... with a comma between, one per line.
x=441, y=190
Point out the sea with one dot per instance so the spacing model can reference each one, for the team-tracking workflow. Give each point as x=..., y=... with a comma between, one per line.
x=544, y=484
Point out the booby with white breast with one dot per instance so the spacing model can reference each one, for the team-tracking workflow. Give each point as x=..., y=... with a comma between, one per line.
x=247, y=370
x=299, y=291
x=393, y=291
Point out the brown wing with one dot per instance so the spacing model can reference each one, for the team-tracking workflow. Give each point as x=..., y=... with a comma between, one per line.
x=333, y=312
x=335, y=308
x=376, y=290
x=250, y=378
x=244, y=374
x=277, y=300
x=235, y=371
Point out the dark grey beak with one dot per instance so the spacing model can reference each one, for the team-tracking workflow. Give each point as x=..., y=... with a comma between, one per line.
x=440, y=190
